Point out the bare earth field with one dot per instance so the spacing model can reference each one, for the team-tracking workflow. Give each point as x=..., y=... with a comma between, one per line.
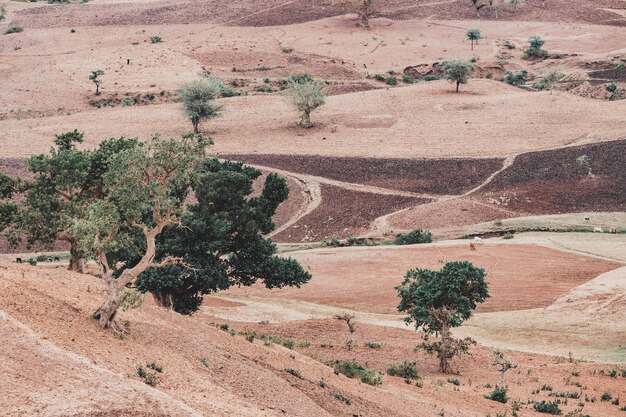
x=380, y=158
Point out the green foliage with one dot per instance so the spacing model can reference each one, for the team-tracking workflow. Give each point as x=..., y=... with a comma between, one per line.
x=303, y=78
x=128, y=101
x=584, y=162
x=342, y=398
x=380, y=77
x=406, y=369
x=413, y=237
x=407, y=79
x=547, y=407
x=439, y=300
x=13, y=29
x=131, y=298
x=155, y=39
x=305, y=95
x=94, y=77
x=473, y=35
x=155, y=366
x=534, y=49
x=508, y=235
x=606, y=396
x=391, y=81
x=457, y=71
x=557, y=394
x=294, y=372
x=149, y=378
x=373, y=345
x=198, y=98
x=221, y=239
x=499, y=394
x=354, y=370
x=224, y=327
x=516, y=78
x=454, y=381
x=430, y=77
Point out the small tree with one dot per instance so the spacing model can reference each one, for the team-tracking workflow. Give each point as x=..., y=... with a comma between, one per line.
x=495, y=6
x=198, y=100
x=534, y=47
x=457, y=71
x=349, y=319
x=306, y=96
x=502, y=364
x=364, y=10
x=473, y=35
x=437, y=301
x=95, y=78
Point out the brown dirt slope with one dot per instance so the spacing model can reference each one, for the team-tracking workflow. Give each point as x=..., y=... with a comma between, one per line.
x=279, y=12
x=436, y=176
x=551, y=182
x=343, y=213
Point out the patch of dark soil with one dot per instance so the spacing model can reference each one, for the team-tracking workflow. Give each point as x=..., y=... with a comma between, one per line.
x=551, y=182
x=614, y=74
x=344, y=213
x=436, y=176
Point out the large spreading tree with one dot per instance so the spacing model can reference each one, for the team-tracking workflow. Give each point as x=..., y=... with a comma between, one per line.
x=437, y=301
x=145, y=231
x=65, y=181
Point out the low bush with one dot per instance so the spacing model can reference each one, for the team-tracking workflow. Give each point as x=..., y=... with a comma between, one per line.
x=606, y=396
x=354, y=370
x=499, y=394
x=13, y=29
x=342, y=398
x=373, y=345
x=406, y=369
x=454, y=381
x=415, y=236
x=391, y=81
x=516, y=78
x=547, y=407
x=155, y=39
x=294, y=372
x=574, y=395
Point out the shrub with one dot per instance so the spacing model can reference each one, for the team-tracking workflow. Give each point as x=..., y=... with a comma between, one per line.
x=224, y=327
x=547, y=407
x=148, y=378
x=155, y=39
x=342, y=398
x=128, y=101
x=457, y=71
x=516, y=78
x=407, y=79
x=3, y=11
x=155, y=366
x=305, y=96
x=301, y=78
x=380, y=77
x=454, y=381
x=391, y=81
x=546, y=387
x=499, y=394
x=406, y=369
x=294, y=372
x=606, y=396
x=431, y=77
x=574, y=395
x=415, y=236
x=32, y=261
x=13, y=29
x=131, y=298
x=508, y=235
x=353, y=370
x=534, y=49
x=508, y=44
x=373, y=345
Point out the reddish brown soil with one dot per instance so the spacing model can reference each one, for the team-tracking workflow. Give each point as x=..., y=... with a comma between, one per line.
x=436, y=176
x=551, y=182
x=520, y=276
x=277, y=12
x=343, y=213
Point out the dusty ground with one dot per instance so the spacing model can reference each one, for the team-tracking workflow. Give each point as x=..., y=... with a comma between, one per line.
x=380, y=159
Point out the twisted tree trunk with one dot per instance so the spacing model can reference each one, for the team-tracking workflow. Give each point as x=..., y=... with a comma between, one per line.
x=77, y=264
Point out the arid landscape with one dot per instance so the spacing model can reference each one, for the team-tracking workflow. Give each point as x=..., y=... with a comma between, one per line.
x=521, y=174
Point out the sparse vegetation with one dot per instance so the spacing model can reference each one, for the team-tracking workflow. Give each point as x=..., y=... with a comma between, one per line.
x=354, y=370
x=305, y=95
x=294, y=372
x=414, y=237
x=13, y=29
x=94, y=77
x=457, y=72
x=516, y=78
x=473, y=35
x=499, y=394
x=198, y=98
x=547, y=407
x=349, y=320
x=155, y=39
x=341, y=398
x=534, y=49
x=436, y=301
x=406, y=370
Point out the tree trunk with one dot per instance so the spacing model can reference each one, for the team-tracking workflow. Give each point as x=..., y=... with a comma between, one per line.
x=457, y=86
x=106, y=313
x=444, y=366
x=162, y=299
x=97, y=89
x=472, y=40
x=77, y=263
x=306, y=118
x=195, y=126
